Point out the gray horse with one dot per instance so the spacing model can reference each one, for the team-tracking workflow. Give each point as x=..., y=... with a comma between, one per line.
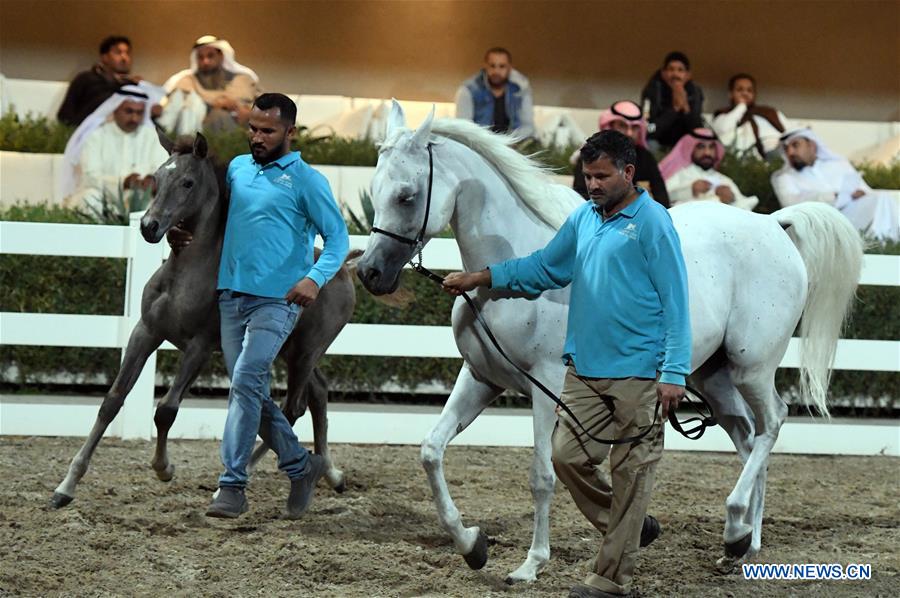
x=179, y=305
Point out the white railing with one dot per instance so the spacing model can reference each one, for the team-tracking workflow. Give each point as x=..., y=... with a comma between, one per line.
x=48, y=416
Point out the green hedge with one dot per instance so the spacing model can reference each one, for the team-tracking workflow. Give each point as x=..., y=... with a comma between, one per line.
x=28, y=134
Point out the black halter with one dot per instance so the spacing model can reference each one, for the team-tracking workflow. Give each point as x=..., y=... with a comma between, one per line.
x=705, y=417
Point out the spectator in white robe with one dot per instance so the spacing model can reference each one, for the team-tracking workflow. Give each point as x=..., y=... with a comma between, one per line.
x=812, y=172
x=114, y=151
x=746, y=126
x=690, y=172
x=215, y=93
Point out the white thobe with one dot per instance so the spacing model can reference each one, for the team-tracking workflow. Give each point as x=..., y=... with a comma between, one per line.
x=741, y=138
x=680, y=183
x=833, y=182
x=109, y=155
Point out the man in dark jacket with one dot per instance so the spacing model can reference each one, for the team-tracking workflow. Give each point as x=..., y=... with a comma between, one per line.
x=91, y=88
x=675, y=101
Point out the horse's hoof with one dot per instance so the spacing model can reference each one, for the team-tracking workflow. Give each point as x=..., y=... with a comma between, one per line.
x=166, y=475
x=58, y=501
x=738, y=548
x=478, y=556
x=340, y=487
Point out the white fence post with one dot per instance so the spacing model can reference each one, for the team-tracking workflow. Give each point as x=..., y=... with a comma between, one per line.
x=136, y=417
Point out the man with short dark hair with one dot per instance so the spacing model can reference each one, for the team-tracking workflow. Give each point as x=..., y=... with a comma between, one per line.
x=91, y=88
x=267, y=275
x=498, y=97
x=675, y=101
x=628, y=345
x=747, y=126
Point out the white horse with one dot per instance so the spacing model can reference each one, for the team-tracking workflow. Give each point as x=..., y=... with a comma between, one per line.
x=750, y=276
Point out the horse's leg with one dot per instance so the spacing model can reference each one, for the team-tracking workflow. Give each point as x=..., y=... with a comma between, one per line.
x=317, y=399
x=757, y=388
x=195, y=355
x=468, y=398
x=734, y=416
x=542, y=481
x=141, y=344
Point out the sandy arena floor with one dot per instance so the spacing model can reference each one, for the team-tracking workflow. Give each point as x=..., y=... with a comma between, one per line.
x=128, y=534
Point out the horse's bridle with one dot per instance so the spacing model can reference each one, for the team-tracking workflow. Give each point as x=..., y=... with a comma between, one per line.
x=703, y=421
x=419, y=242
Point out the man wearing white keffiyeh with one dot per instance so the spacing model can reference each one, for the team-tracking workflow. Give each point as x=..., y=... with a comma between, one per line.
x=812, y=172
x=215, y=93
x=114, y=150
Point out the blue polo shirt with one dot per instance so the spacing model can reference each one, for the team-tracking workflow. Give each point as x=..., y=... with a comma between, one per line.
x=628, y=312
x=274, y=214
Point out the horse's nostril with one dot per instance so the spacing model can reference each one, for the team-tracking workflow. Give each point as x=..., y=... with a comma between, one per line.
x=149, y=228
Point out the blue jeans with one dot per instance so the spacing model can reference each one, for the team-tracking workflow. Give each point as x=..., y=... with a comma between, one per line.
x=253, y=331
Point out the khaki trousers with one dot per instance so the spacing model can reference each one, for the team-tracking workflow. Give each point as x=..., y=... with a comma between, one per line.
x=609, y=409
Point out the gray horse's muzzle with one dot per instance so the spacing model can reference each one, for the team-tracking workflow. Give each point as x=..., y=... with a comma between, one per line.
x=151, y=230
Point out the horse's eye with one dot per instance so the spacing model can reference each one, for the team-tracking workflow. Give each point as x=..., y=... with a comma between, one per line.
x=405, y=197
x=187, y=184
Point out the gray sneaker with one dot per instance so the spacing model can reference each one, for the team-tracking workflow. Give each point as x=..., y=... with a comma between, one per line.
x=229, y=502
x=302, y=489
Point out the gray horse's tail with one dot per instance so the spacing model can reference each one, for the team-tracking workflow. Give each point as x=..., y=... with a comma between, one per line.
x=832, y=251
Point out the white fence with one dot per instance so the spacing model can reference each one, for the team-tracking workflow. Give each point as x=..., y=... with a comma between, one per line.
x=205, y=419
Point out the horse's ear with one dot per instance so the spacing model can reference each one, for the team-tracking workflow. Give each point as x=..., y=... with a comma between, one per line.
x=200, y=146
x=423, y=133
x=164, y=140
x=396, y=118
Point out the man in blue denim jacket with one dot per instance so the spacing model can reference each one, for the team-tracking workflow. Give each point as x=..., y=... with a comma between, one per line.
x=498, y=97
x=267, y=275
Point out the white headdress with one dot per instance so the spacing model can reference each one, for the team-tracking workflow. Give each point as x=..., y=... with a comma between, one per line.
x=143, y=92
x=822, y=151
x=229, y=63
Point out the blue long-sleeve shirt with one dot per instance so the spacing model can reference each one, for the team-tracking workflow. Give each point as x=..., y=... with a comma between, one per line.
x=274, y=214
x=628, y=312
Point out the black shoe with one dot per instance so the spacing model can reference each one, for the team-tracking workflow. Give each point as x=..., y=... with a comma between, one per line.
x=580, y=590
x=302, y=489
x=649, y=531
x=228, y=503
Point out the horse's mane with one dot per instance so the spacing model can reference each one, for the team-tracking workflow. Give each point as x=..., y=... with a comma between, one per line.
x=550, y=202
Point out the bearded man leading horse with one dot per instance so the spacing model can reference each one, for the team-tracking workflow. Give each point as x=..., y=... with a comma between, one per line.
x=179, y=303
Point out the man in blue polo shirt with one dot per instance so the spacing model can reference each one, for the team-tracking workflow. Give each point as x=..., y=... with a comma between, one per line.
x=628, y=345
x=267, y=274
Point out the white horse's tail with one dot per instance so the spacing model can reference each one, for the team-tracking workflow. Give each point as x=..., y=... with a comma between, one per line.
x=832, y=251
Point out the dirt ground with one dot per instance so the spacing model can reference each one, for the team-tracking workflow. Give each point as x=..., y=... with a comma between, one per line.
x=127, y=534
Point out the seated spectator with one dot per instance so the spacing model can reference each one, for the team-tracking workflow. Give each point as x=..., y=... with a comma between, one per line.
x=625, y=117
x=691, y=175
x=214, y=94
x=90, y=88
x=745, y=125
x=113, y=152
x=675, y=101
x=498, y=97
x=812, y=172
